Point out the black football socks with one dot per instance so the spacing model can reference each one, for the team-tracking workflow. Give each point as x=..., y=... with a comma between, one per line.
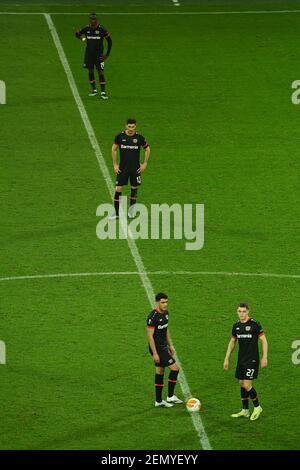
x=172, y=382
x=133, y=196
x=245, y=398
x=92, y=80
x=102, y=82
x=117, y=202
x=159, y=384
x=253, y=396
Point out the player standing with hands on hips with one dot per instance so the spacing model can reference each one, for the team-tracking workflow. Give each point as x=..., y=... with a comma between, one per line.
x=247, y=331
x=129, y=143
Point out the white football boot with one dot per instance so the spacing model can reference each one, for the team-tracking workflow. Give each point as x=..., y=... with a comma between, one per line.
x=164, y=404
x=174, y=400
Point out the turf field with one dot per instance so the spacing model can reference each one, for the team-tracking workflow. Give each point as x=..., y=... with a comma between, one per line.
x=212, y=94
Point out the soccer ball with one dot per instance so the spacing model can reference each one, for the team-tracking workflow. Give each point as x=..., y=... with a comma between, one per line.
x=193, y=405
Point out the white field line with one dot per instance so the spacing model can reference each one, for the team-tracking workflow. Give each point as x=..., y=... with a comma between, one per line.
x=150, y=273
x=249, y=12
x=199, y=427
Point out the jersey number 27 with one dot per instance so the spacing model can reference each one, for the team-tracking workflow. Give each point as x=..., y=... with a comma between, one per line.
x=250, y=372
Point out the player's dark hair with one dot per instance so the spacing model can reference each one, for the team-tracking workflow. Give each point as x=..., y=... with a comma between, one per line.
x=131, y=121
x=243, y=305
x=93, y=15
x=160, y=296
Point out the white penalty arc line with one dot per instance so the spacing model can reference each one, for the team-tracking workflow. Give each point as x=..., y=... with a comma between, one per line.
x=150, y=273
x=147, y=13
x=197, y=421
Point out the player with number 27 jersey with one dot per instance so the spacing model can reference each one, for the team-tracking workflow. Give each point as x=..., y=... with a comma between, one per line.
x=247, y=331
x=247, y=335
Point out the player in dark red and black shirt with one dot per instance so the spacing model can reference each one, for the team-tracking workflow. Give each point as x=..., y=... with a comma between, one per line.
x=162, y=350
x=94, y=56
x=247, y=331
x=129, y=142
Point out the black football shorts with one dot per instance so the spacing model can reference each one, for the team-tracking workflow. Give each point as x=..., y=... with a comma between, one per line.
x=125, y=175
x=247, y=371
x=165, y=357
x=93, y=59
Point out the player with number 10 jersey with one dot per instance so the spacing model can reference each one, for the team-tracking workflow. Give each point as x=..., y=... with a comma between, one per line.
x=129, y=143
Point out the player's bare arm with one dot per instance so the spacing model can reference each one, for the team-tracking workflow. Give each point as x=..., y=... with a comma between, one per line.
x=114, y=157
x=144, y=165
x=230, y=348
x=150, y=333
x=264, y=359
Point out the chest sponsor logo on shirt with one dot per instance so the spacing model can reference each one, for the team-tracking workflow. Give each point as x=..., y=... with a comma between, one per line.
x=160, y=327
x=245, y=336
x=130, y=147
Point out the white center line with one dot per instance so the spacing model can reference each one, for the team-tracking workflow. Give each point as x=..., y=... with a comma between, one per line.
x=151, y=273
x=197, y=421
x=140, y=13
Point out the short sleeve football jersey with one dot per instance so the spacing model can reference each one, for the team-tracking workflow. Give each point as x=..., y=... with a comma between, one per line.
x=247, y=335
x=94, y=38
x=130, y=146
x=159, y=323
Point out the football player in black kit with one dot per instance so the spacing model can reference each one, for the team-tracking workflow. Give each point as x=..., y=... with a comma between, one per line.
x=94, y=35
x=129, y=142
x=162, y=350
x=247, y=331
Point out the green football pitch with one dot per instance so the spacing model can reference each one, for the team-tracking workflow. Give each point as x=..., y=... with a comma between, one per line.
x=212, y=94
